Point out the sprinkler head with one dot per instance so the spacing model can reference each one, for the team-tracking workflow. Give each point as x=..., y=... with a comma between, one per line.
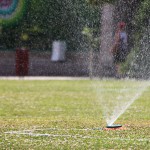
x=114, y=126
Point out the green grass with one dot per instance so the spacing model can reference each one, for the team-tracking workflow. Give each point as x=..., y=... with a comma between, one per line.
x=61, y=109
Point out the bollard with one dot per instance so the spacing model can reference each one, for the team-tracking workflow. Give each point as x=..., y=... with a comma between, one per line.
x=22, y=61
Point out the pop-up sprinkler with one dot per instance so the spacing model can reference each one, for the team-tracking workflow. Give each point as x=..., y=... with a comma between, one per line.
x=114, y=126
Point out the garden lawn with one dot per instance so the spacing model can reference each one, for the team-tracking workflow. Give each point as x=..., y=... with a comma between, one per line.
x=55, y=115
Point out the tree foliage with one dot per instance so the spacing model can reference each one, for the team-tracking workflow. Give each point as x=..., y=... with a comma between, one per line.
x=53, y=20
x=138, y=60
x=97, y=2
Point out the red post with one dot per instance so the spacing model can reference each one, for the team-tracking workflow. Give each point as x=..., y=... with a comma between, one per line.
x=22, y=61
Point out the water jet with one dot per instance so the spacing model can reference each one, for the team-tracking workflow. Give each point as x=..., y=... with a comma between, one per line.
x=124, y=93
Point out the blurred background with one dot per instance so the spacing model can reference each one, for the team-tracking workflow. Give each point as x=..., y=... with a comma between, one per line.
x=63, y=38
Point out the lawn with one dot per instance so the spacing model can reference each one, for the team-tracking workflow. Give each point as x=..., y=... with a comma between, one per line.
x=55, y=115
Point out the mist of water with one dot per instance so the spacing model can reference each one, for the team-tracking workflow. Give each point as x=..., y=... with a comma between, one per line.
x=115, y=97
x=119, y=111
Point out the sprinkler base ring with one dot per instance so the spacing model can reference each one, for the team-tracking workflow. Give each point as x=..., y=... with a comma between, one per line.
x=114, y=126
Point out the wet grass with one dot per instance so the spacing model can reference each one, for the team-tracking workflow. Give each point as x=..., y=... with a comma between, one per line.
x=65, y=115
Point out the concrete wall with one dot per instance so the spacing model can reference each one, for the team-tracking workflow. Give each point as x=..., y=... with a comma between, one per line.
x=40, y=64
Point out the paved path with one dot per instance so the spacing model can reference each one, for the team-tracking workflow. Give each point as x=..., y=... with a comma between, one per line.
x=43, y=78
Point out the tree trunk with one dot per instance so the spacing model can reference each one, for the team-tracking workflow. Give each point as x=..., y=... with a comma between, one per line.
x=107, y=27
